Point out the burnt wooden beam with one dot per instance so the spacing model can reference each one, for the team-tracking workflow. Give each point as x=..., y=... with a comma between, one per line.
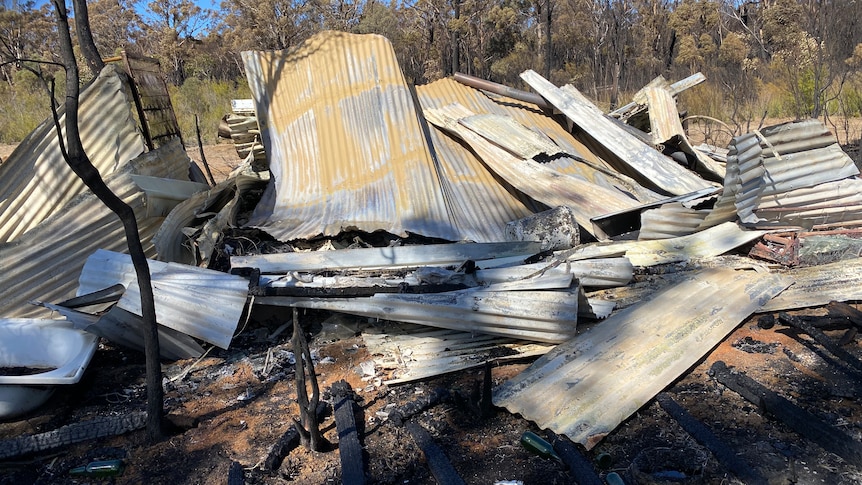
x=73, y=433
x=349, y=447
x=821, y=338
x=796, y=418
x=286, y=443
x=438, y=463
x=579, y=466
x=845, y=311
x=703, y=435
x=412, y=408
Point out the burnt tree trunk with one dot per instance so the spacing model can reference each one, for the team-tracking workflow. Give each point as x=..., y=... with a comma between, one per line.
x=308, y=424
x=79, y=162
x=85, y=37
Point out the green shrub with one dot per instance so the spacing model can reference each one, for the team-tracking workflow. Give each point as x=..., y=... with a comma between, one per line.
x=210, y=101
x=23, y=106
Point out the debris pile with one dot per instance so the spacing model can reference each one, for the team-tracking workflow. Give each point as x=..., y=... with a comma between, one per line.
x=491, y=223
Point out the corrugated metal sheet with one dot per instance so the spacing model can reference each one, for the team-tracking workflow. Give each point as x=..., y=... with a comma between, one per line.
x=653, y=168
x=818, y=285
x=44, y=264
x=412, y=352
x=595, y=273
x=35, y=181
x=670, y=220
x=541, y=316
x=344, y=142
x=203, y=303
x=585, y=199
x=586, y=387
x=667, y=127
x=126, y=329
x=704, y=244
x=785, y=166
x=577, y=159
x=511, y=135
x=389, y=257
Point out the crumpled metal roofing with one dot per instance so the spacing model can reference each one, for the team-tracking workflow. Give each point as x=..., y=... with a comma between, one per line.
x=344, y=142
x=651, y=167
x=575, y=159
x=818, y=285
x=416, y=352
x=584, y=199
x=44, y=263
x=585, y=387
x=36, y=182
x=200, y=302
x=787, y=169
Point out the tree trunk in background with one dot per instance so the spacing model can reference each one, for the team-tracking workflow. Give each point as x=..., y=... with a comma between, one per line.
x=548, y=56
x=456, y=38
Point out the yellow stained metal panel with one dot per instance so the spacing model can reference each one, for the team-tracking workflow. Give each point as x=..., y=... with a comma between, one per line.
x=587, y=386
x=344, y=142
x=35, y=181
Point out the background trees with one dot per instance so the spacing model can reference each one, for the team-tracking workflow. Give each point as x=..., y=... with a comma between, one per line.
x=777, y=58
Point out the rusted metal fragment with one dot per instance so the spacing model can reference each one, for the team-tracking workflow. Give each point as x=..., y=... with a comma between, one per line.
x=780, y=248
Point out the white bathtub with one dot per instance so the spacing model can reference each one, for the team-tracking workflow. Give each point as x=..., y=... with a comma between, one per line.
x=53, y=345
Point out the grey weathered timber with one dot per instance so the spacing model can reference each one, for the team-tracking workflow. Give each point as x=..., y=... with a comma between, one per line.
x=653, y=168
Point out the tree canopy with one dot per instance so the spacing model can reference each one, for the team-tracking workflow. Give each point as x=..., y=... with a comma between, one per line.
x=799, y=58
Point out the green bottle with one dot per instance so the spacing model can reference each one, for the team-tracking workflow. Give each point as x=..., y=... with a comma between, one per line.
x=537, y=445
x=106, y=468
x=613, y=478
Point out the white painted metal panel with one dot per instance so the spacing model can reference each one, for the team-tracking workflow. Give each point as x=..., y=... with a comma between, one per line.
x=203, y=303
